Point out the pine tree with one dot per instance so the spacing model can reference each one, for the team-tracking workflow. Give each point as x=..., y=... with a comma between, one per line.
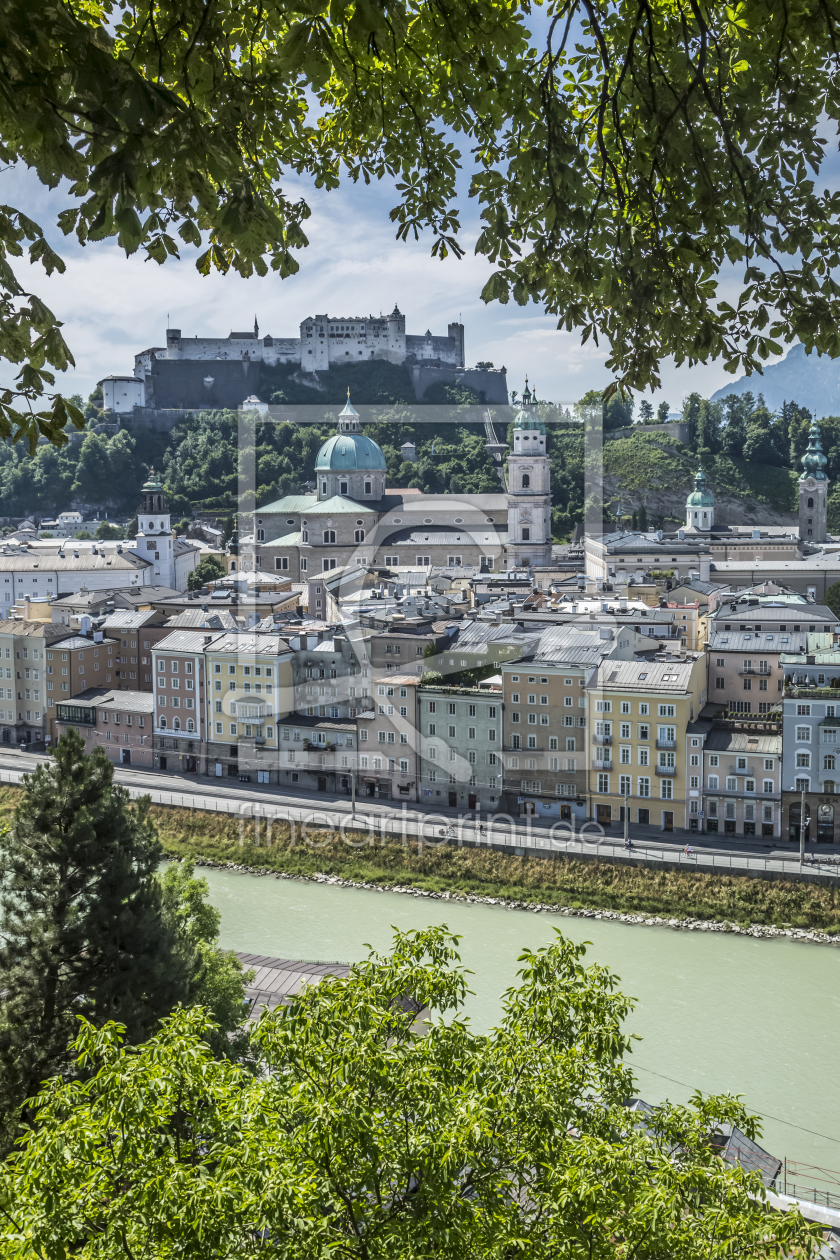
x=643, y=520
x=83, y=929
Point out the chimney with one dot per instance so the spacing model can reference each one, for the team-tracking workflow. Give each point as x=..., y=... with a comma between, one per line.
x=705, y=565
x=84, y=625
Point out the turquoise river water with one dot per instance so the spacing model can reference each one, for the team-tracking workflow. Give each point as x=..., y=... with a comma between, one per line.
x=715, y=1012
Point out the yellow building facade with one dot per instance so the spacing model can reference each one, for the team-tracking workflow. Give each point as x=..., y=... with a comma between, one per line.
x=643, y=755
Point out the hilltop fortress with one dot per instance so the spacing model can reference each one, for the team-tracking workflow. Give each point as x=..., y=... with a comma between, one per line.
x=207, y=372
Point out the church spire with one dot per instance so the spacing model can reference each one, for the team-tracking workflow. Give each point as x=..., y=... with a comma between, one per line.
x=814, y=461
x=813, y=491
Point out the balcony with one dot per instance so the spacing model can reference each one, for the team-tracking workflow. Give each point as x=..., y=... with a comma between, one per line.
x=669, y=771
x=602, y=739
x=666, y=744
x=749, y=672
x=603, y=765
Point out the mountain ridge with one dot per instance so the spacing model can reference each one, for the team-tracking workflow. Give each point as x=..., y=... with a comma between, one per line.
x=812, y=380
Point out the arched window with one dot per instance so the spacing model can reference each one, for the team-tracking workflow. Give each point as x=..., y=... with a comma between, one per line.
x=828, y=762
x=329, y=535
x=526, y=481
x=163, y=723
x=810, y=503
x=176, y=724
x=160, y=503
x=190, y=725
x=359, y=535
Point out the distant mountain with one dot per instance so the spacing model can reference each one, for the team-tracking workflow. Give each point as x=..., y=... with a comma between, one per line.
x=812, y=380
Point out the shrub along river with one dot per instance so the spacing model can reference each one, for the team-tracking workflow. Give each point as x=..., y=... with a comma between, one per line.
x=716, y=1012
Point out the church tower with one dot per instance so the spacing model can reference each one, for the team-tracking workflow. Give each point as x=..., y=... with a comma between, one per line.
x=813, y=491
x=529, y=491
x=154, y=532
x=700, y=505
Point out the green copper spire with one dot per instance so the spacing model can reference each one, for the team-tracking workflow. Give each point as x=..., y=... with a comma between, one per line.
x=813, y=461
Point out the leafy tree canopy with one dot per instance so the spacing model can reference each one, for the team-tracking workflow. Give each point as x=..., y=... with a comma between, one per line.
x=366, y=1139
x=89, y=929
x=618, y=165
x=208, y=570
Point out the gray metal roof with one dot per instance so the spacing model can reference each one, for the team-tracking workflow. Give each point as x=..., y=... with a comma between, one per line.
x=197, y=618
x=83, y=563
x=743, y=742
x=128, y=619
x=106, y=697
x=645, y=676
x=246, y=643
x=187, y=641
x=757, y=641
x=476, y=632
x=786, y=612
x=278, y=979
x=33, y=629
x=74, y=641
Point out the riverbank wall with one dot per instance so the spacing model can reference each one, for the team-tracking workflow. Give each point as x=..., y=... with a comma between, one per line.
x=533, y=878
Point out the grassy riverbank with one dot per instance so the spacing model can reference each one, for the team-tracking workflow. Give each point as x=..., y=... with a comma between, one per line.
x=486, y=873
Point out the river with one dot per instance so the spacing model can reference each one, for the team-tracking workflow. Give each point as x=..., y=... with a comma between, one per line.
x=716, y=1012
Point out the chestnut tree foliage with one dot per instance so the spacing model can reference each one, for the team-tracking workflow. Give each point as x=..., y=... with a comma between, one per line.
x=367, y=1140
x=621, y=152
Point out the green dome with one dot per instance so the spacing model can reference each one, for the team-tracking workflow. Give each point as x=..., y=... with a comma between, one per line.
x=347, y=452
x=152, y=485
x=700, y=496
x=813, y=461
x=525, y=419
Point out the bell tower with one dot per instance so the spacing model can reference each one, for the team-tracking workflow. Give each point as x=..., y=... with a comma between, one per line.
x=529, y=490
x=154, y=532
x=813, y=491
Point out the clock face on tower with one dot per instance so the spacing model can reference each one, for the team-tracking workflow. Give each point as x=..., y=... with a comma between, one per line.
x=811, y=483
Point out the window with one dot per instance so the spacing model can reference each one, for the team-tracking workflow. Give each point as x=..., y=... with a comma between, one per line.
x=603, y=783
x=454, y=562
x=625, y=706
x=624, y=785
x=666, y=790
x=803, y=761
x=644, y=787
x=803, y=710
x=713, y=782
x=667, y=710
x=720, y=662
x=714, y=760
x=767, y=786
x=281, y=562
x=803, y=734
x=829, y=763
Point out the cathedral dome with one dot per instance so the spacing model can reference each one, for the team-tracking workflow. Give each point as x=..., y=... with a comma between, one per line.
x=700, y=496
x=347, y=452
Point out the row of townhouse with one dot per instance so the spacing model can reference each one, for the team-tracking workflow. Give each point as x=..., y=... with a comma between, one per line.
x=574, y=724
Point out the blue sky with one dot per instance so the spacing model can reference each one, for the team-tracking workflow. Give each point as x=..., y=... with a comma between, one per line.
x=113, y=306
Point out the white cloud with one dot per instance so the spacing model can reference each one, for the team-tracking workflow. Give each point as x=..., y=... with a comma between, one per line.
x=113, y=306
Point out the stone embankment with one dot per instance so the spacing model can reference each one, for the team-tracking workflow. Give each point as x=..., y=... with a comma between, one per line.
x=758, y=930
